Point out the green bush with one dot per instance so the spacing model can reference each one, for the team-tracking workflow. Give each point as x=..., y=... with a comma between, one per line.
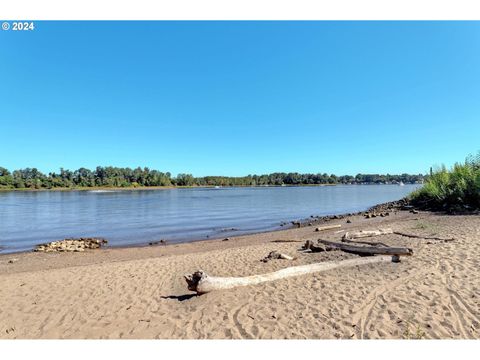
x=458, y=188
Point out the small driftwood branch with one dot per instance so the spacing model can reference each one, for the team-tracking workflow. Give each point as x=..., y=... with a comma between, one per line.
x=325, y=245
x=366, y=233
x=328, y=227
x=309, y=245
x=273, y=255
x=422, y=237
x=285, y=241
x=202, y=283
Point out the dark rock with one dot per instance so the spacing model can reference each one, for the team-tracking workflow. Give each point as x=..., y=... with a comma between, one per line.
x=228, y=229
x=160, y=242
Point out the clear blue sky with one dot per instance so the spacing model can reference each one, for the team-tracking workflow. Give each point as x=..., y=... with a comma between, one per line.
x=234, y=98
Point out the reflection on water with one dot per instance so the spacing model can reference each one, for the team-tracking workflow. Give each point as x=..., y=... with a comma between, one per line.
x=140, y=216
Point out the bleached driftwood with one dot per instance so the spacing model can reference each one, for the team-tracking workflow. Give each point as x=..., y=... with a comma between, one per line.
x=202, y=283
x=324, y=245
x=328, y=227
x=366, y=233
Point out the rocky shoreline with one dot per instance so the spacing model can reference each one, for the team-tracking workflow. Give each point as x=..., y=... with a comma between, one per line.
x=382, y=210
x=71, y=245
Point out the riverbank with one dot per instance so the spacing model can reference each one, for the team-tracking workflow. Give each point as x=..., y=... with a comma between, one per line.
x=140, y=292
x=106, y=188
x=132, y=188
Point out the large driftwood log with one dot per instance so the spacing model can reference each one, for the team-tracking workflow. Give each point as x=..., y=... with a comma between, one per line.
x=202, y=283
x=364, y=242
x=366, y=233
x=325, y=245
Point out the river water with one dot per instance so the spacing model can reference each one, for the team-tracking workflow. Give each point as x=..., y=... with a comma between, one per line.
x=136, y=217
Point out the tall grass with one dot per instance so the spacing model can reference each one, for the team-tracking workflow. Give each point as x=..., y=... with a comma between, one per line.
x=454, y=189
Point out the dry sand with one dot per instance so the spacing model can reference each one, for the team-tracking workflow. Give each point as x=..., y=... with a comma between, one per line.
x=140, y=292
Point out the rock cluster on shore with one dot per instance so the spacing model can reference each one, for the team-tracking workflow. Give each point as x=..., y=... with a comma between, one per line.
x=381, y=210
x=71, y=245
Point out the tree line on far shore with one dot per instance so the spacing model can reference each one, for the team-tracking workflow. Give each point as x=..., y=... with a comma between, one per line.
x=32, y=178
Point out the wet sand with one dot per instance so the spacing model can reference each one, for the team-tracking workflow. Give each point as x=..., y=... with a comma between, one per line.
x=140, y=292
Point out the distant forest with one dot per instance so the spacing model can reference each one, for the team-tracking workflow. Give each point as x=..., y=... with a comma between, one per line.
x=31, y=178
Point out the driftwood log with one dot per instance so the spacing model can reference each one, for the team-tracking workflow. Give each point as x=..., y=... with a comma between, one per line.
x=324, y=245
x=364, y=242
x=328, y=227
x=202, y=283
x=366, y=233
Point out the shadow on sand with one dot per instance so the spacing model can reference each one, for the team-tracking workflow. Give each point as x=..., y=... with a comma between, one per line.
x=180, y=297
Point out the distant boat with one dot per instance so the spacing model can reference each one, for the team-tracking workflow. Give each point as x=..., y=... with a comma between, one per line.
x=401, y=183
x=217, y=187
x=102, y=191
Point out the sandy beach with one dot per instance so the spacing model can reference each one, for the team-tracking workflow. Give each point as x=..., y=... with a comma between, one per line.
x=140, y=292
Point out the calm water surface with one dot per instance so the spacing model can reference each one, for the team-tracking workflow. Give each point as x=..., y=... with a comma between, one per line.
x=178, y=215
